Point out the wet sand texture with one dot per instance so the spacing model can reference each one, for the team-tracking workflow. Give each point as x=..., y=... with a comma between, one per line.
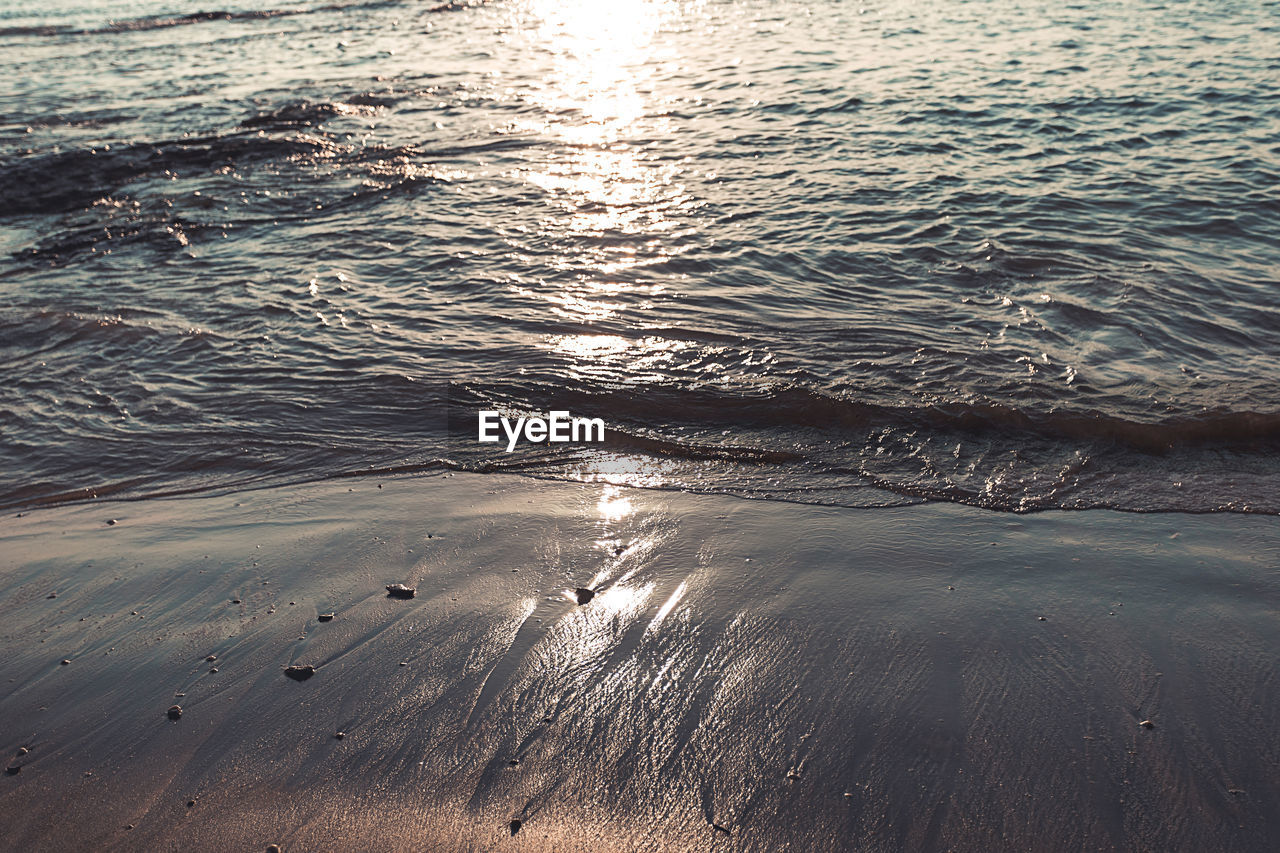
x=747, y=675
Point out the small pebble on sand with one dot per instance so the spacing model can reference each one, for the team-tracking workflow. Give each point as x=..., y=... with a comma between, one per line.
x=399, y=590
x=65, y=661
x=515, y=825
x=339, y=735
x=325, y=617
x=582, y=595
x=210, y=658
x=300, y=673
x=174, y=712
x=1147, y=724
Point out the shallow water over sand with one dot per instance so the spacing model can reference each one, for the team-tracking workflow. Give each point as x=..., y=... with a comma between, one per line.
x=1019, y=255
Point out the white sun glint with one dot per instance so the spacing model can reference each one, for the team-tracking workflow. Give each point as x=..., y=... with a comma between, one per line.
x=613, y=506
x=600, y=51
x=600, y=112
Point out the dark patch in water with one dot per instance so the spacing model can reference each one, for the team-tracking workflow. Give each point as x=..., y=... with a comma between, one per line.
x=160, y=22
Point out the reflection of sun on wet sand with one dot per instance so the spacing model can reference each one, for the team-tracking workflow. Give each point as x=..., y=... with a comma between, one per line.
x=587, y=667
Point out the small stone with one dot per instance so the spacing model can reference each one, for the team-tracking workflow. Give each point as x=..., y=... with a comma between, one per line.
x=15, y=769
x=515, y=762
x=1147, y=724
x=110, y=522
x=952, y=588
x=52, y=595
x=515, y=825
x=300, y=673
x=273, y=848
x=1041, y=619
x=718, y=828
x=175, y=712
x=325, y=617
x=191, y=804
x=404, y=663
x=65, y=661
x=128, y=826
x=235, y=601
x=339, y=735
x=399, y=590
x=582, y=595
x=22, y=750
x=213, y=669
x=211, y=658
x=793, y=775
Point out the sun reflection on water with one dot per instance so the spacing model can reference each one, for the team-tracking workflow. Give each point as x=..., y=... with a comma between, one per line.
x=613, y=506
x=600, y=51
x=636, y=360
x=612, y=191
x=614, y=202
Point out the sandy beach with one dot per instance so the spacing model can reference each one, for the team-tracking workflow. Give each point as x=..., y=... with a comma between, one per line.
x=750, y=675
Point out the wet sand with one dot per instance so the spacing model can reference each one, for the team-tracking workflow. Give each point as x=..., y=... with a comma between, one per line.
x=748, y=675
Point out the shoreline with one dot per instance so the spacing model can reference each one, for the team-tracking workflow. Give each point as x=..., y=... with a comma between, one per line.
x=749, y=673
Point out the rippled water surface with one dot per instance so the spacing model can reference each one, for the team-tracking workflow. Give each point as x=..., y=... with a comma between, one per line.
x=1016, y=254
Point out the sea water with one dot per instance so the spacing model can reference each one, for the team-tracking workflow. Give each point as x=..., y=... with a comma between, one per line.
x=1011, y=253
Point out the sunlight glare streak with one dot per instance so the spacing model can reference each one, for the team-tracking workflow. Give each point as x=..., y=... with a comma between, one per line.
x=668, y=606
x=612, y=505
